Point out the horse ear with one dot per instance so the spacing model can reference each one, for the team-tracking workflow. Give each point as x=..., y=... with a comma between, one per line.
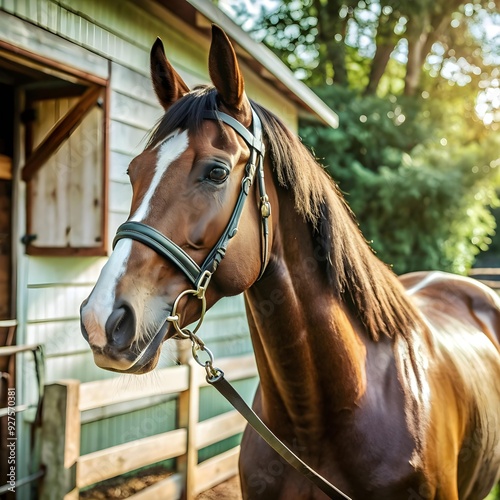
x=168, y=85
x=226, y=76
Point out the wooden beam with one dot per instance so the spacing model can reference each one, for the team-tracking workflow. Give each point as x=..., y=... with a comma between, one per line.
x=106, y=392
x=106, y=152
x=7, y=323
x=218, y=428
x=188, y=410
x=170, y=488
x=117, y=460
x=94, y=70
x=15, y=349
x=60, y=132
x=5, y=167
x=60, y=439
x=97, y=251
x=475, y=271
x=217, y=470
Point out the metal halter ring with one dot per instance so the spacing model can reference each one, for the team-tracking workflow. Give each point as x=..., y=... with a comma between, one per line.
x=197, y=347
x=174, y=317
x=213, y=374
x=197, y=344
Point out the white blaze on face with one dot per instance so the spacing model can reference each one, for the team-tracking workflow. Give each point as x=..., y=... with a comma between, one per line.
x=102, y=298
x=169, y=150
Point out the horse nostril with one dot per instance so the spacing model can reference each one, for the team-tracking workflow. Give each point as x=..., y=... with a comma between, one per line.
x=120, y=328
x=82, y=326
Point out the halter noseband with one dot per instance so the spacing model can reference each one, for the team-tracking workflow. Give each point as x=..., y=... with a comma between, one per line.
x=200, y=276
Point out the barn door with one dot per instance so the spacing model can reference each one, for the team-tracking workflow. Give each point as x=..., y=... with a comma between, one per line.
x=6, y=153
x=7, y=319
x=57, y=119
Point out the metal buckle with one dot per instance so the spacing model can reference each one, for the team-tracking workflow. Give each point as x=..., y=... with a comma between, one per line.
x=197, y=344
x=203, y=284
x=246, y=184
x=265, y=207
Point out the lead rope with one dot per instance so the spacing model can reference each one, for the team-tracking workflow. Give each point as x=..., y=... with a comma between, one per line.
x=215, y=377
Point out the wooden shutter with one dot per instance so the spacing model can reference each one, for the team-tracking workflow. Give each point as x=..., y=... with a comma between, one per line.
x=66, y=174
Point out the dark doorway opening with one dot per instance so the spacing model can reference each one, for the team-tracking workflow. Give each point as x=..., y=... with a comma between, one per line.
x=7, y=300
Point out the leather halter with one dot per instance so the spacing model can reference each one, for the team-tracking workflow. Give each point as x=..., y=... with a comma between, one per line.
x=169, y=250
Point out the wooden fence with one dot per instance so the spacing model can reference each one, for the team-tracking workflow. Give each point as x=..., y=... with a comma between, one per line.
x=490, y=276
x=67, y=471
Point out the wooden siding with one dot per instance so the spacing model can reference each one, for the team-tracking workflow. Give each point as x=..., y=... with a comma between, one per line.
x=18, y=33
x=123, y=32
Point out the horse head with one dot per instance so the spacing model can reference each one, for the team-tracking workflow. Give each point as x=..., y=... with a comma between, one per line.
x=189, y=188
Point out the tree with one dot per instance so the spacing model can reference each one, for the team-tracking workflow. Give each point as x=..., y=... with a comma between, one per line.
x=416, y=153
x=323, y=39
x=423, y=200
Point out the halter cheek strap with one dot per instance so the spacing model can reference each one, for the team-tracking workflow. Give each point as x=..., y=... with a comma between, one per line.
x=168, y=249
x=255, y=164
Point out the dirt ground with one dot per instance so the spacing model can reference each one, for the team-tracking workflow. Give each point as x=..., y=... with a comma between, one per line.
x=120, y=488
x=229, y=490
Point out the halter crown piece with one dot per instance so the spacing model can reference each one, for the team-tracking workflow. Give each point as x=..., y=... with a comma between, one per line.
x=200, y=276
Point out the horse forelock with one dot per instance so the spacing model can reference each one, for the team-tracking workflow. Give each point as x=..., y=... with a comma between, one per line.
x=185, y=114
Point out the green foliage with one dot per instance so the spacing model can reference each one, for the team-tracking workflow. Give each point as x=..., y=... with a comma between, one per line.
x=415, y=85
x=495, y=494
x=424, y=203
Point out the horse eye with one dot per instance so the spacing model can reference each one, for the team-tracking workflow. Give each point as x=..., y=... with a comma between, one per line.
x=218, y=174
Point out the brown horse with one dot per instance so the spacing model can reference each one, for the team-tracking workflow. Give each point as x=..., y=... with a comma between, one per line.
x=388, y=393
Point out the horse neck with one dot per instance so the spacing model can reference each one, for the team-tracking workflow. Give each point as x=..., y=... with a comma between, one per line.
x=310, y=356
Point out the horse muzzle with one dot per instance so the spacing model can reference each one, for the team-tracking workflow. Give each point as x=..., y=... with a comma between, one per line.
x=118, y=347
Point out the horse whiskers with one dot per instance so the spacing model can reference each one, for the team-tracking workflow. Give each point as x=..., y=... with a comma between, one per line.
x=169, y=354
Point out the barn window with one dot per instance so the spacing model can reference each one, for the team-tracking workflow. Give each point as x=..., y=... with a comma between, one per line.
x=65, y=136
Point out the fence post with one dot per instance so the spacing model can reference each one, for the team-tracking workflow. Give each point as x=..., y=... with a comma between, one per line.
x=189, y=403
x=60, y=440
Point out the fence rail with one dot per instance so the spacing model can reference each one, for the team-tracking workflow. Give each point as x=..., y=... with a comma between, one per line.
x=489, y=276
x=67, y=471
x=484, y=270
